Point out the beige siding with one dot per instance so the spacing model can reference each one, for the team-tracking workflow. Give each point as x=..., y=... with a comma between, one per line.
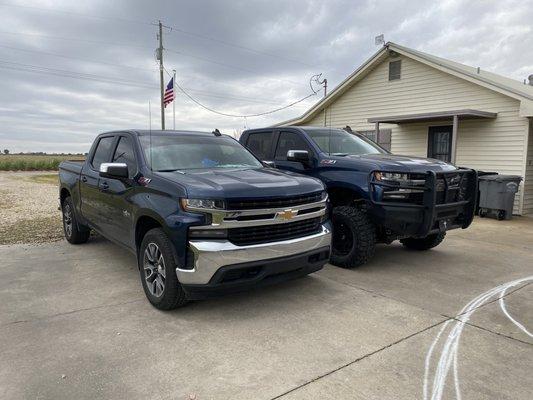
x=528, y=183
x=490, y=145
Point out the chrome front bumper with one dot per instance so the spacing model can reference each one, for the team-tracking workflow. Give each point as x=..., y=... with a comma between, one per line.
x=211, y=255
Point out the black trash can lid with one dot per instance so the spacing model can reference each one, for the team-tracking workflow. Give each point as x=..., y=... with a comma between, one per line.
x=501, y=178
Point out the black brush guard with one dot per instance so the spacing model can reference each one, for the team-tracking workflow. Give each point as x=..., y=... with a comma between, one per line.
x=439, y=210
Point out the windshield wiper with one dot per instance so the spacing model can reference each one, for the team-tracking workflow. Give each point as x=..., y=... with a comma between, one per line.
x=170, y=170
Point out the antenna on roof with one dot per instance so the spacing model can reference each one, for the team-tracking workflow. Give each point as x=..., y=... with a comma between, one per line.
x=150, y=126
x=379, y=40
x=216, y=132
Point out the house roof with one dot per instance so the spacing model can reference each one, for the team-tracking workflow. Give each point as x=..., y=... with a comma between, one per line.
x=498, y=83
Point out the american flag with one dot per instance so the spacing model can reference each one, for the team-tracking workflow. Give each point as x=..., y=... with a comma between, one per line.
x=169, y=93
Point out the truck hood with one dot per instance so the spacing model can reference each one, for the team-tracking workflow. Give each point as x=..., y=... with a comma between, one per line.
x=394, y=163
x=243, y=183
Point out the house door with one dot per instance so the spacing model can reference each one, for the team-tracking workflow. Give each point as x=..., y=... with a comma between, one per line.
x=440, y=142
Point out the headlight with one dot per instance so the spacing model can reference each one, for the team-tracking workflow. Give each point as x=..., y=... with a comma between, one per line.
x=202, y=204
x=390, y=176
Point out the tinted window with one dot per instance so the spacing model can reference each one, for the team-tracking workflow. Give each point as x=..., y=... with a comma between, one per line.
x=289, y=141
x=124, y=154
x=101, y=154
x=259, y=144
x=172, y=152
x=340, y=142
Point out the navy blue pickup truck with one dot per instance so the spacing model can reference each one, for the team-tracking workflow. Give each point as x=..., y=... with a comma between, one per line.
x=377, y=197
x=202, y=214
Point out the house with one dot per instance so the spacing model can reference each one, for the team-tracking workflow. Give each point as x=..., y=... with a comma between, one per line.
x=417, y=104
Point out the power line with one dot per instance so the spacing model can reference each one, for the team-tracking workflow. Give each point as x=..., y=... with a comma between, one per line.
x=76, y=58
x=238, y=46
x=242, y=116
x=121, y=44
x=174, y=29
x=77, y=14
x=229, y=65
x=112, y=80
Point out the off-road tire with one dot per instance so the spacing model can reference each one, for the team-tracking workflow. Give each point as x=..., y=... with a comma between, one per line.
x=426, y=243
x=361, y=245
x=75, y=233
x=173, y=295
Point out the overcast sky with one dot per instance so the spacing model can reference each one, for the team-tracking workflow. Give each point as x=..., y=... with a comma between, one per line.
x=70, y=70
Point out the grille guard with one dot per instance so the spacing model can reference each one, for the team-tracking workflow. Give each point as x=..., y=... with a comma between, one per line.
x=429, y=204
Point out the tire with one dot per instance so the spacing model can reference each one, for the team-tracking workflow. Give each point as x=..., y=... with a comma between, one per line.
x=354, y=237
x=482, y=213
x=501, y=215
x=426, y=243
x=158, y=271
x=74, y=232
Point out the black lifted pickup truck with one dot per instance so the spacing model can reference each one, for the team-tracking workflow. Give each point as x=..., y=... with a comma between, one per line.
x=376, y=196
x=201, y=213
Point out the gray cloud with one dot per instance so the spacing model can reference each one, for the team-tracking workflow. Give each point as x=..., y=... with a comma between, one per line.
x=260, y=56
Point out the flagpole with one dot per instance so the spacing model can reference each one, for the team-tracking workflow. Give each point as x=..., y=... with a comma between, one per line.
x=174, y=101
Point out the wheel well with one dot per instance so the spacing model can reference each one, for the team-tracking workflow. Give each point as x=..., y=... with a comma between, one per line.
x=144, y=224
x=63, y=195
x=343, y=197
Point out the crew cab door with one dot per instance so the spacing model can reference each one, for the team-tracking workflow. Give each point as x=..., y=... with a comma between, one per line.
x=117, y=194
x=90, y=195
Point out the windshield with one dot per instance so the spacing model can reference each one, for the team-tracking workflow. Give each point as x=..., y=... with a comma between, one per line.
x=340, y=142
x=173, y=152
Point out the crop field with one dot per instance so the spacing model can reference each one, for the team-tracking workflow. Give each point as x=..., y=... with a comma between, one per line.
x=29, y=162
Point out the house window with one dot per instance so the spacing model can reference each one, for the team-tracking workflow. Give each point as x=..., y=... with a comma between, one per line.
x=440, y=142
x=383, y=138
x=395, y=70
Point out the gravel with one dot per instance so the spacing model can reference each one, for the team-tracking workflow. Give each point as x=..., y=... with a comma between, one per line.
x=29, y=209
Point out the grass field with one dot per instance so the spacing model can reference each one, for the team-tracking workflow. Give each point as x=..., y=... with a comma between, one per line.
x=26, y=162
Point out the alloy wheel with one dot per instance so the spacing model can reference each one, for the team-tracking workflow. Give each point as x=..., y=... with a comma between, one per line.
x=154, y=269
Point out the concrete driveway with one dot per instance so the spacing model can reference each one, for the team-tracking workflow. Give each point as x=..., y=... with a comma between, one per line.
x=74, y=324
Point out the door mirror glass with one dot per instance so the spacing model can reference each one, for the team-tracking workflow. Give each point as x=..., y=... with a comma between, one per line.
x=301, y=156
x=114, y=170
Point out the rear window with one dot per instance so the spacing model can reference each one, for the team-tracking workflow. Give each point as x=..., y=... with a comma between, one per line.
x=101, y=154
x=259, y=144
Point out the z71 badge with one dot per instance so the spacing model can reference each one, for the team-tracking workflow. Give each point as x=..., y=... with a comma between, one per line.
x=328, y=162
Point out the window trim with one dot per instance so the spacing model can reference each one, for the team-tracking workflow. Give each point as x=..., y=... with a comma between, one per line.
x=109, y=156
x=117, y=142
x=432, y=130
x=399, y=74
x=269, y=155
x=301, y=135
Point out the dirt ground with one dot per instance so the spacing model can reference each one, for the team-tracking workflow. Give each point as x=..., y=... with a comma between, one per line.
x=29, y=202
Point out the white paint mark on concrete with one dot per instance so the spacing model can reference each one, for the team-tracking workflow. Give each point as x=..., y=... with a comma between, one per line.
x=450, y=349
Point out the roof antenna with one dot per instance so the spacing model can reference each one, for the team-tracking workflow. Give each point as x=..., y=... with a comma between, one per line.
x=379, y=40
x=150, y=126
x=216, y=132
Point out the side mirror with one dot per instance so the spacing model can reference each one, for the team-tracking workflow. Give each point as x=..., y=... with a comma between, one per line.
x=269, y=164
x=114, y=170
x=301, y=156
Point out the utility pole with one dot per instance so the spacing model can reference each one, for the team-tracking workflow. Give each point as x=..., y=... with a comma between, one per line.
x=161, y=77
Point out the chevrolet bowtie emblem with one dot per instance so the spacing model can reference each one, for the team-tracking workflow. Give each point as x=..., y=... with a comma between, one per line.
x=287, y=214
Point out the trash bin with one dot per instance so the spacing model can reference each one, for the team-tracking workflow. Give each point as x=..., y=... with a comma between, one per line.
x=481, y=173
x=497, y=195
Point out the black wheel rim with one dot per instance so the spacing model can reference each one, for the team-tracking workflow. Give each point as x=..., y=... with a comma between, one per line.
x=342, y=238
